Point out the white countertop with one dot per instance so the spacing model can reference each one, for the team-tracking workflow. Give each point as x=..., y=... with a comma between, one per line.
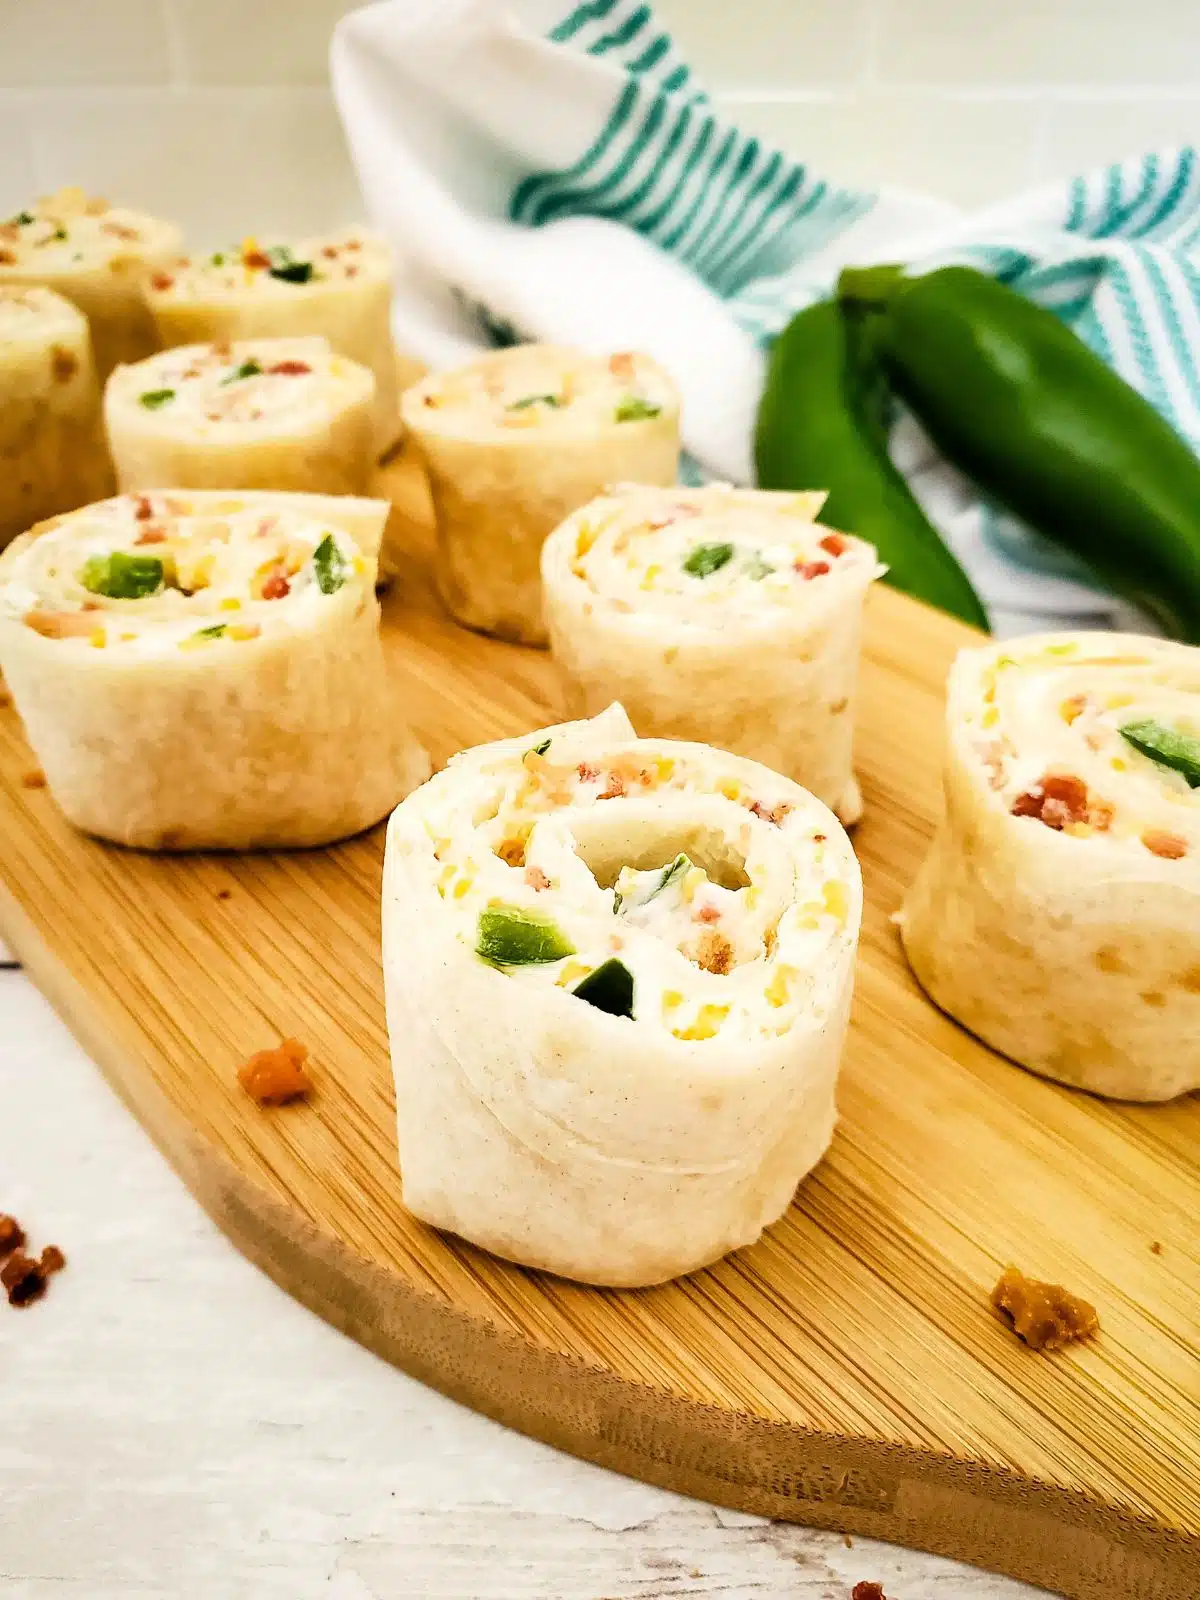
x=174, y=1427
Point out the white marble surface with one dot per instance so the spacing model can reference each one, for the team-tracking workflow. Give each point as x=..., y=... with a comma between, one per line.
x=175, y=1428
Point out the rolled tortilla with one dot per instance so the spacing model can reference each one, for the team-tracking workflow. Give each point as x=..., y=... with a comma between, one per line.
x=722, y=614
x=259, y=414
x=97, y=256
x=1057, y=914
x=618, y=973
x=52, y=452
x=515, y=442
x=337, y=286
x=204, y=670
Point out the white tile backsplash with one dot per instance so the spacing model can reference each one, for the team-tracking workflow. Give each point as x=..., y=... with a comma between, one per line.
x=224, y=162
x=1014, y=43
x=773, y=44
x=254, y=41
x=216, y=111
x=65, y=42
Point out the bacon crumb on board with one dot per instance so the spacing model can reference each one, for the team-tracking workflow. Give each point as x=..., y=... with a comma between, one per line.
x=273, y=1077
x=1156, y=1248
x=35, y=778
x=23, y=1277
x=867, y=1591
x=12, y=1235
x=1045, y=1316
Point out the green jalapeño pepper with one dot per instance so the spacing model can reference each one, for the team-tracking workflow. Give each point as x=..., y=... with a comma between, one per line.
x=823, y=423
x=1015, y=399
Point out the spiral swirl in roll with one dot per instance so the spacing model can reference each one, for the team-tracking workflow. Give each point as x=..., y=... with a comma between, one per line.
x=1058, y=912
x=618, y=973
x=727, y=615
x=204, y=670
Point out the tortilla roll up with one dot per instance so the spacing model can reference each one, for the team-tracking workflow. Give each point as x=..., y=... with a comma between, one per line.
x=618, y=973
x=336, y=286
x=52, y=451
x=97, y=256
x=1057, y=914
x=283, y=414
x=203, y=670
x=727, y=615
x=512, y=444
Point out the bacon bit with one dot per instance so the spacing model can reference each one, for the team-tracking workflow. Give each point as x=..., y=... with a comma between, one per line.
x=835, y=544
x=708, y=914
x=774, y=814
x=151, y=536
x=1044, y=1315
x=224, y=894
x=8, y=258
x=1156, y=1248
x=35, y=778
x=12, y=1235
x=1058, y=801
x=143, y=508
x=162, y=281
x=119, y=230
x=273, y=1077
x=714, y=953
x=352, y=272
x=812, y=569
x=255, y=258
x=587, y=772
x=290, y=369
x=536, y=878
x=622, y=365
x=330, y=251
x=24, y=1278
x=352, y=244
x=616, y=788
x=867, y=1591
x=63, y=365
x=276, y=587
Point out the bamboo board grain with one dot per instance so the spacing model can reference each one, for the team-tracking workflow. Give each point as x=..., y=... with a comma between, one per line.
x=846, y=1371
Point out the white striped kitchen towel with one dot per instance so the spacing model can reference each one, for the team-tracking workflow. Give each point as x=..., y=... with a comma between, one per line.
x=556, y=171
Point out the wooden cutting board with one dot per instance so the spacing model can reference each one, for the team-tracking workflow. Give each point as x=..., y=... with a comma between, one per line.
x=846, y=1371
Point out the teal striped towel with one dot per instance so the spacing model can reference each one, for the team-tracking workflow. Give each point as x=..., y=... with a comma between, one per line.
x=557, y=172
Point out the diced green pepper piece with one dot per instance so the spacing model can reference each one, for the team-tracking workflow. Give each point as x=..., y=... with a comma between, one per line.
x=511, y=937
x=155, y=399
x=706, y=559
x=609, y=988
x=21, y=220
x=286, y=267
x=248, y=369
x=757, y=568
x=1167, y=746
x=215, y=632
x=669, y=874
x=122, y=577
x=634, y=409
x=528, y=400
x=540, y=749
x=330, y=565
